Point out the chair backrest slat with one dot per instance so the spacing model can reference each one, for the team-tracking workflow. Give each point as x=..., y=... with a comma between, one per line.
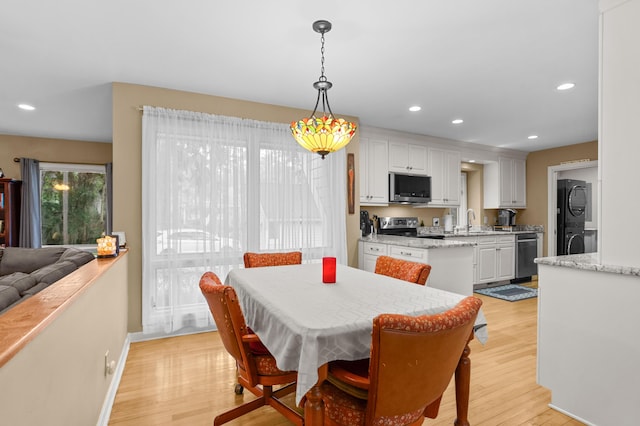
x=403, y=269
x=254, y=260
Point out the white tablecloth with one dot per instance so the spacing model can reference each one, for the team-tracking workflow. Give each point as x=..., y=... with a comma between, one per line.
x=305, y=323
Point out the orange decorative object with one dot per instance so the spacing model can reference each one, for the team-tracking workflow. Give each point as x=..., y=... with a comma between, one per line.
x=418, y=354
x=107, y=246
x=256, y=260
x=413, y=272
x=328, y=270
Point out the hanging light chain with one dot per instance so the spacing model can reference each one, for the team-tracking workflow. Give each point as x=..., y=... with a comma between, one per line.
x=322, y=77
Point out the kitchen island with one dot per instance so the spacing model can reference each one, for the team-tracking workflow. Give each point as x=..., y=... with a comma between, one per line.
x=452, y=261
x=587, y=347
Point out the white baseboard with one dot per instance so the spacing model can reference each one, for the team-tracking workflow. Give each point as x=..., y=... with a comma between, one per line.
x=105, y=413
x=573, y=416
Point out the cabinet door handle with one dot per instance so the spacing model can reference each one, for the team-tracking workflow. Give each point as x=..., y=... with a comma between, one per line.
x=407, y=253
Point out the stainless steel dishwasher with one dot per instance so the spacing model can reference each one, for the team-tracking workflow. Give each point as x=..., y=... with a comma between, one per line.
x=526, y=251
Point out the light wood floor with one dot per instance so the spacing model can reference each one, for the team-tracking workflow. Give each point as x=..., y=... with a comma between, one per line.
x=188, y=380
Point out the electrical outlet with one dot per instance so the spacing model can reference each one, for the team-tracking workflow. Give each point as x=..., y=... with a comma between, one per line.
x=109, y=367
x=436, y=221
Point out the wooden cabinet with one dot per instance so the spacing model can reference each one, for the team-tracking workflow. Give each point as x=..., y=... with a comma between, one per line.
x=407, y=158
x=374, y=174
x=505, y=184
x=444, y=169
x=9, y=212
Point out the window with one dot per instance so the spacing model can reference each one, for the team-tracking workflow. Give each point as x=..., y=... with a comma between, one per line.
x=73, y=203
x=214, y=187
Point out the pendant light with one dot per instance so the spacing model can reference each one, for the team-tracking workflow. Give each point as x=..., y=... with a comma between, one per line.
x=325, y=134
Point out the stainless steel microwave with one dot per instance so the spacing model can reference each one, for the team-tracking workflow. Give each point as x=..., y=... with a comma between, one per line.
x=409, y=189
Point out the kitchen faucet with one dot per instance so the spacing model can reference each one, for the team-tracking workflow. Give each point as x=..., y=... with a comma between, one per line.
x=473, y=214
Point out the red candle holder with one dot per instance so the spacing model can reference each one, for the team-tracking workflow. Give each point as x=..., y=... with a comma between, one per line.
x=328, y=270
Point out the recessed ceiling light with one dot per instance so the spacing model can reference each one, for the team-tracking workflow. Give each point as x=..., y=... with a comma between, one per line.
x=457, y=121
x=566, y=86
x=532, y=137
x=26, y=107
x=472, y=161
x=415, y=108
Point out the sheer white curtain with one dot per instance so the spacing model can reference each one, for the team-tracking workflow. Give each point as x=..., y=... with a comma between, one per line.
x=214, y=187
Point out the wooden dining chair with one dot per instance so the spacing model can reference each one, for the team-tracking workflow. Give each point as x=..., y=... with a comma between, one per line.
x=412, y=362
x=254, y=260
x=413, y=272
x=257, y=370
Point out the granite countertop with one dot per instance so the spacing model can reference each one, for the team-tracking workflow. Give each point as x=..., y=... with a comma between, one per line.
x=588, y=262
x=481, y=231
x=425, y=243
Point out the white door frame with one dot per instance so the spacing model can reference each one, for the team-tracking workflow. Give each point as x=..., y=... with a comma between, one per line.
x=552, y=200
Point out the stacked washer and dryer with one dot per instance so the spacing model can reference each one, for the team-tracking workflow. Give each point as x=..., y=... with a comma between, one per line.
x=572, y=206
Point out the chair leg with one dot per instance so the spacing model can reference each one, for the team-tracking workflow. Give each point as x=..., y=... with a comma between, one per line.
x=432, y=409
x=238, y=411
x=272, y=399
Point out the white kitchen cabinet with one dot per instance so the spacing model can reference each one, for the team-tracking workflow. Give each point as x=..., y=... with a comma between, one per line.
x=451, y=267
x=374, y=174
x=407, y=158
x=505, y=257
x=409, y=253
x=487, y=260
x=505, y=184
x=369, y=252
x=495, y=259
x=444, y=169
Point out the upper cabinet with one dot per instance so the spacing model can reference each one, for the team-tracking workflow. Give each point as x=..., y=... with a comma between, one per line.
x=505, y=184
x=374, y=177
x=444, y=169
x=407, y=158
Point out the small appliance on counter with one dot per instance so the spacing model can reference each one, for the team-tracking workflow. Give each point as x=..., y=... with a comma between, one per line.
x=448, y=223
x=366, y=224
x=506, y=217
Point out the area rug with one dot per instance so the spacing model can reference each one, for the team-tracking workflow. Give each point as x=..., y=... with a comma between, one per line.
x=510, y=292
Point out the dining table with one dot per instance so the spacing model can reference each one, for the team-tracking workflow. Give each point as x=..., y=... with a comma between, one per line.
x=306, y=323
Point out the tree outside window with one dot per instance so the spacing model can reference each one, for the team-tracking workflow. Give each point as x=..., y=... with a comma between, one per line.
x=73, y=203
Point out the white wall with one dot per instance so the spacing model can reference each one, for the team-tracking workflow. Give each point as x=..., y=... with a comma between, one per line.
x=619, y=148
x=58, y=378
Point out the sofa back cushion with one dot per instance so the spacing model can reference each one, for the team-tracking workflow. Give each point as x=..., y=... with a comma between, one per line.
x=18, y=280
x=52, y=273
x=27, y=260
x=8, y=296
x=77, y=256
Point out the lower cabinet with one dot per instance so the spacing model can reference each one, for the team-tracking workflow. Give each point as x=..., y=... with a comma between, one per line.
x=368, y=254
x=452, y=268
x=495, y=259
x=409, y=253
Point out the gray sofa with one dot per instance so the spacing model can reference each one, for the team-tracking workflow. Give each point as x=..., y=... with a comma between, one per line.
x=26, y=271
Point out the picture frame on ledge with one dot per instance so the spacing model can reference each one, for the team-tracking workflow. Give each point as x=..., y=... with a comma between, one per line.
x=122, y=240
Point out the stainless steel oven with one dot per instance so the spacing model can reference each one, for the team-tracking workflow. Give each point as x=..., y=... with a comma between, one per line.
x=526, y=251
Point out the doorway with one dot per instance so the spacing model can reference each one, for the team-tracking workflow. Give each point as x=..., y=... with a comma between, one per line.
x=585, y=170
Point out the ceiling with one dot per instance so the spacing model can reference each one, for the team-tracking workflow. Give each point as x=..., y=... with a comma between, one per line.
x=493, y=63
